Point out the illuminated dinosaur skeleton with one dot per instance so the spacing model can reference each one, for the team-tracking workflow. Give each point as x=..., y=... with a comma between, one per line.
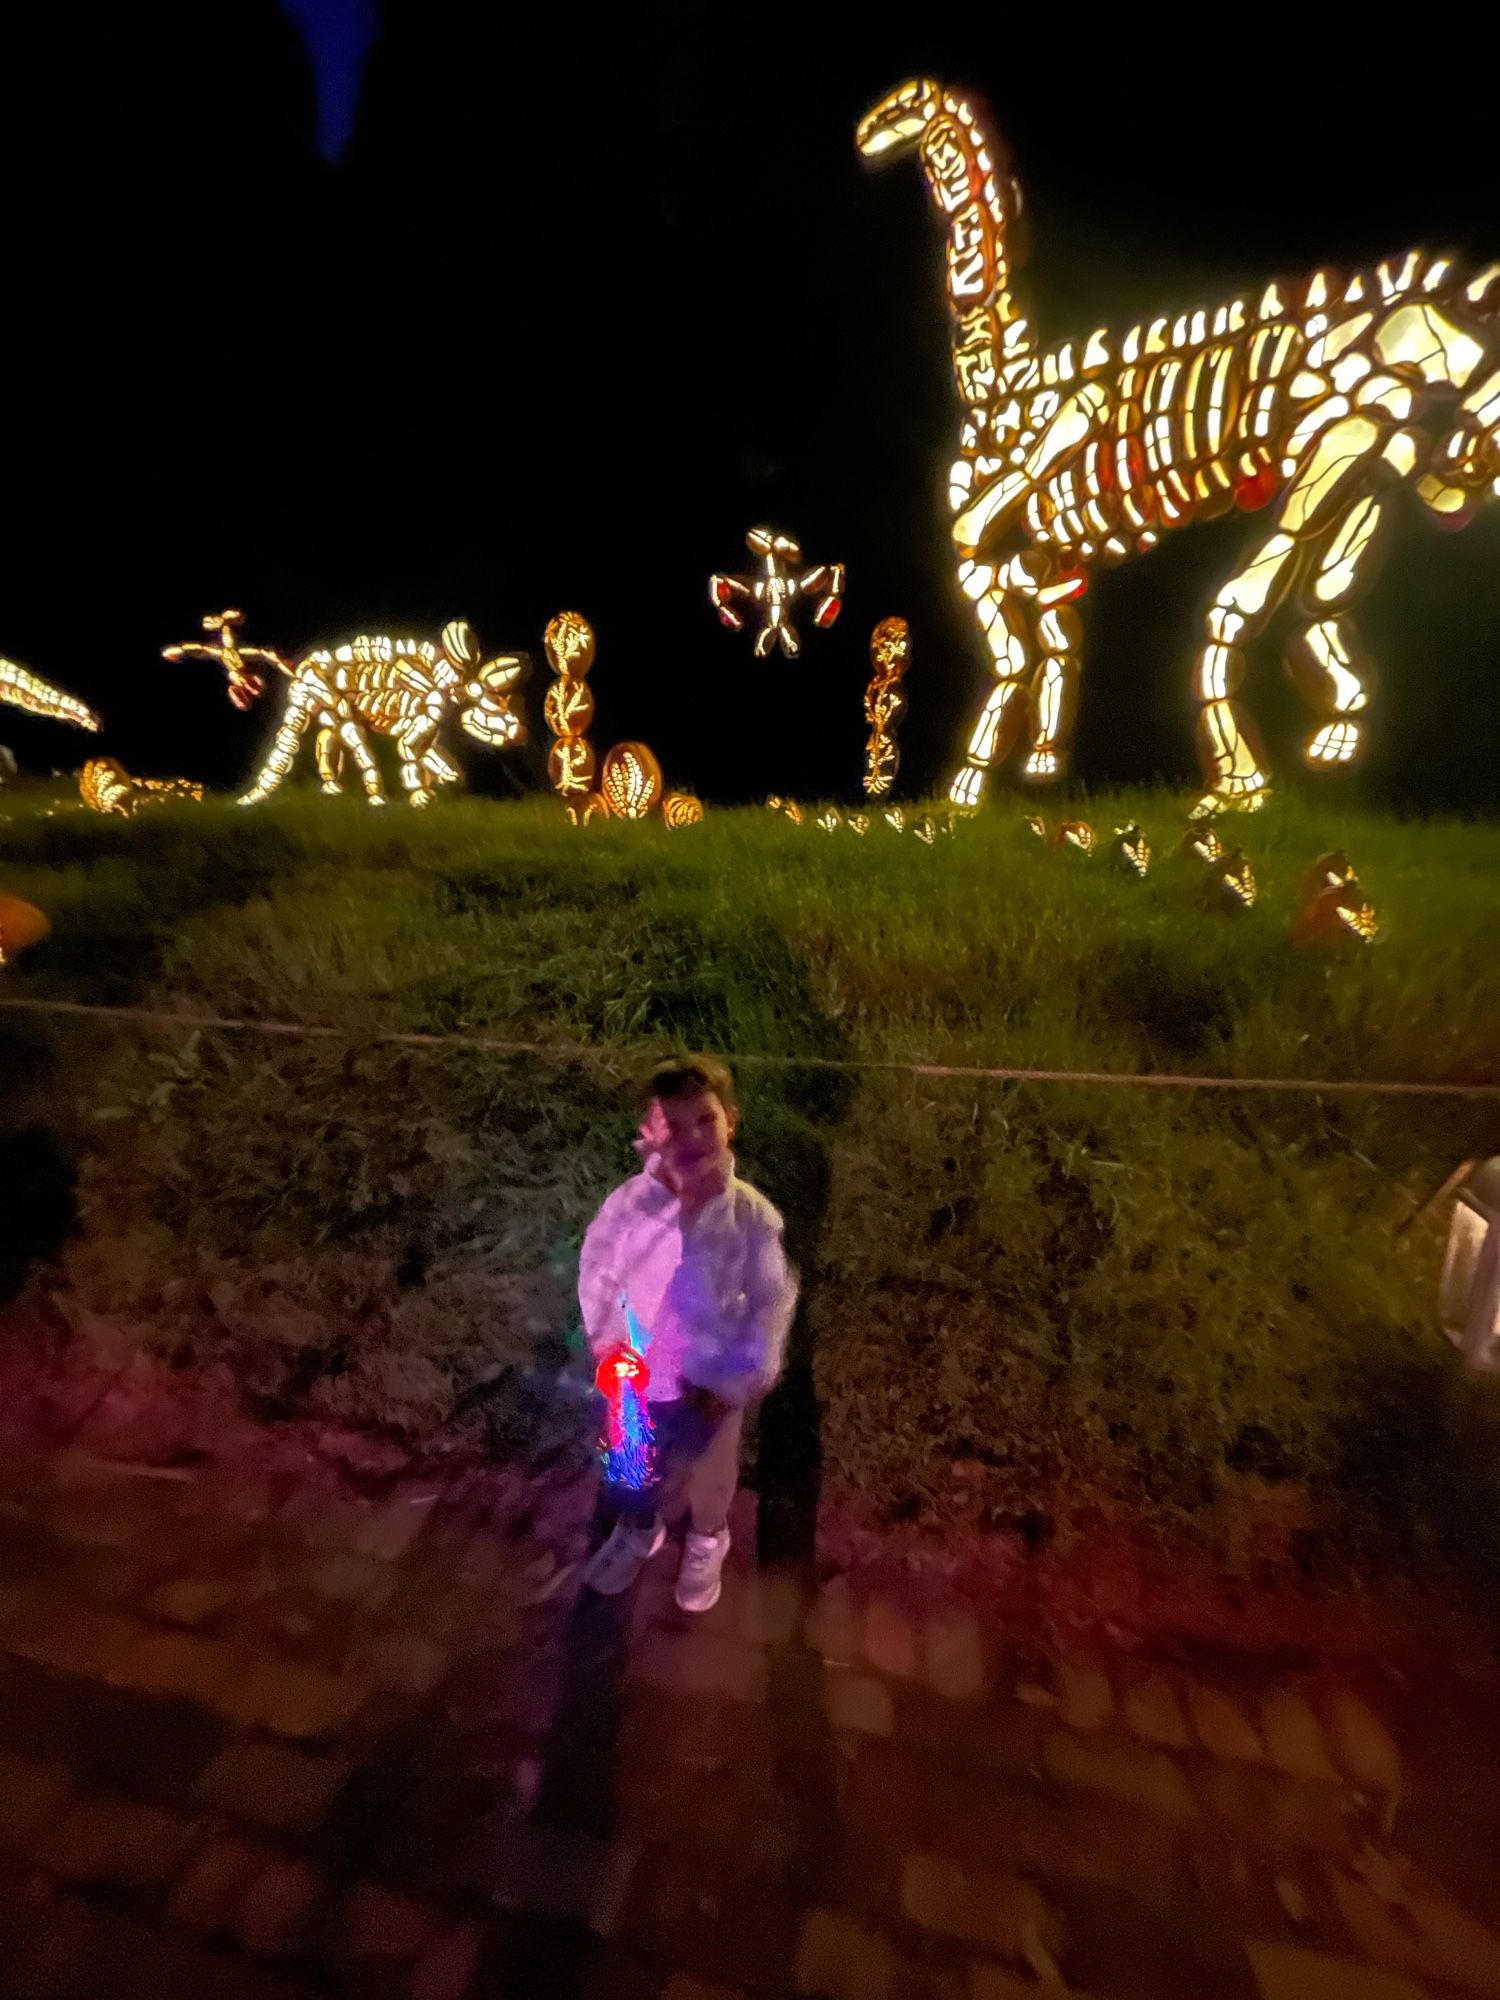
x=775, y=591
x=30, y=693
x=400, y=688
x=1311, y=398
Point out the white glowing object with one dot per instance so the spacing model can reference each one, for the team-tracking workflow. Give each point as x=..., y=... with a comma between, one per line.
x=1469, y=1290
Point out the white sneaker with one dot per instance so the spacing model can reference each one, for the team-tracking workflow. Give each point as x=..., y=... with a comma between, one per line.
x=699, y=1580
x=615, y=1564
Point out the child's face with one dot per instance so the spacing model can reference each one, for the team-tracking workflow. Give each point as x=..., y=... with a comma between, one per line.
x=691, y=1134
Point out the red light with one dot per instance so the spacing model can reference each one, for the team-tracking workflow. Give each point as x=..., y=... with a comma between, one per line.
x=616, y=1369
x=1258, y=490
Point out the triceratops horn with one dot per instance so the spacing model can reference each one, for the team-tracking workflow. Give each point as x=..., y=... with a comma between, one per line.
x=460, y=644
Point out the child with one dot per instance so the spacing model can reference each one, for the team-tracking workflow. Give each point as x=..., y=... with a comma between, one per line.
x=697, y=1255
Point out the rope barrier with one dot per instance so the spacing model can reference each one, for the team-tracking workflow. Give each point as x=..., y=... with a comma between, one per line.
x=551, y=1051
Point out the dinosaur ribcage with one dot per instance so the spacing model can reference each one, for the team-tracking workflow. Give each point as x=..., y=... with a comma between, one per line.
x=1185, y=435
x=385, y=701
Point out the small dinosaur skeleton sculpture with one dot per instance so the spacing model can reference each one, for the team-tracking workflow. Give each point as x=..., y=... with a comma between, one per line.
x=1310, y=399
x=401, y=688
x=775, y=590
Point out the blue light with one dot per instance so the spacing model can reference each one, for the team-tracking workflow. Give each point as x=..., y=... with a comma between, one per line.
x=337, y=35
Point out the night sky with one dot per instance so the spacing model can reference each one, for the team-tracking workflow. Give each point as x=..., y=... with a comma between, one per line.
x=561, y=305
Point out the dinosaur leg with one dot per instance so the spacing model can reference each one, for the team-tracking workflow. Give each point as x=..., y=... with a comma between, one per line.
x=439, y=766
x=1324, y=657
x=1054, y=693
x=300, y=702
x=413, y=741
x=330, y=753
x=727, y=594
x=1006, y=624
x=1228, y=741
x=353, y=739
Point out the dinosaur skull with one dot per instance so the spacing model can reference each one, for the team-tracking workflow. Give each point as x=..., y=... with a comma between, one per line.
x=769, y=542
x=488, y=686
x=899, y=119
x=490, y=718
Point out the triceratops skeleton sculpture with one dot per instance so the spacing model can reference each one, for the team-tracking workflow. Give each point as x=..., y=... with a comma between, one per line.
x=401, y=688
x=1312, y=398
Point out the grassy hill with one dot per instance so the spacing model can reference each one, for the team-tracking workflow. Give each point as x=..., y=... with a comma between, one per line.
x=1028, y=1307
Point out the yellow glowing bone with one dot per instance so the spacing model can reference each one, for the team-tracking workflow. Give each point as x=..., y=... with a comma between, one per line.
x=33, y=696
x=403, y=689
x=1310, y=401
x=775, y=590
x=885, y=704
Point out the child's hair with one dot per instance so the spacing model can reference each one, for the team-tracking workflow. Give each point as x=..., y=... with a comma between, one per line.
x=685, y=1074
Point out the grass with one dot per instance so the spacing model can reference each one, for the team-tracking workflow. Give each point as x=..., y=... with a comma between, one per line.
x=1025, y=1304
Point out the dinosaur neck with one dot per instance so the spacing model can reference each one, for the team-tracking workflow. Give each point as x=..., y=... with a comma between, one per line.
x=992, y=340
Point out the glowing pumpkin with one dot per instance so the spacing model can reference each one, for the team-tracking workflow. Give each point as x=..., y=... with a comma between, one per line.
x=681, y=809
x=630, y=781
x=21, y=924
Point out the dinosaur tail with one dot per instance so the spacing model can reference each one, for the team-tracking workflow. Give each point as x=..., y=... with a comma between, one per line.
x=29, y=692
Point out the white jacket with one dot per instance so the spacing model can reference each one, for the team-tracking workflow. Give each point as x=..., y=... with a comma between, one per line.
x=714, y=1293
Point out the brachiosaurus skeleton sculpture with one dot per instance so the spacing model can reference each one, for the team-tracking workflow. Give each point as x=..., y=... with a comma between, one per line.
x=1311, y=398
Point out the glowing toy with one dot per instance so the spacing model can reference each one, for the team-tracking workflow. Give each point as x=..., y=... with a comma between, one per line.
x=885, y=704
x=628, y=1445
x=775, y=590
x=630, y=782
x=107, y=787
x=569, y=704
x=33, y=696
x=1334, y=909
x=21, y=924
x=681, y=809
x=789, y=807
x=1311, y=401
x=400, y=688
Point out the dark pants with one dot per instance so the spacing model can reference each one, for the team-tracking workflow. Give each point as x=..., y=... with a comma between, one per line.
x=697, y=1459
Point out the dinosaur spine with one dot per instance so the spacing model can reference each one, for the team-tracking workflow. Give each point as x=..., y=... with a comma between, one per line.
x=993, y=350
